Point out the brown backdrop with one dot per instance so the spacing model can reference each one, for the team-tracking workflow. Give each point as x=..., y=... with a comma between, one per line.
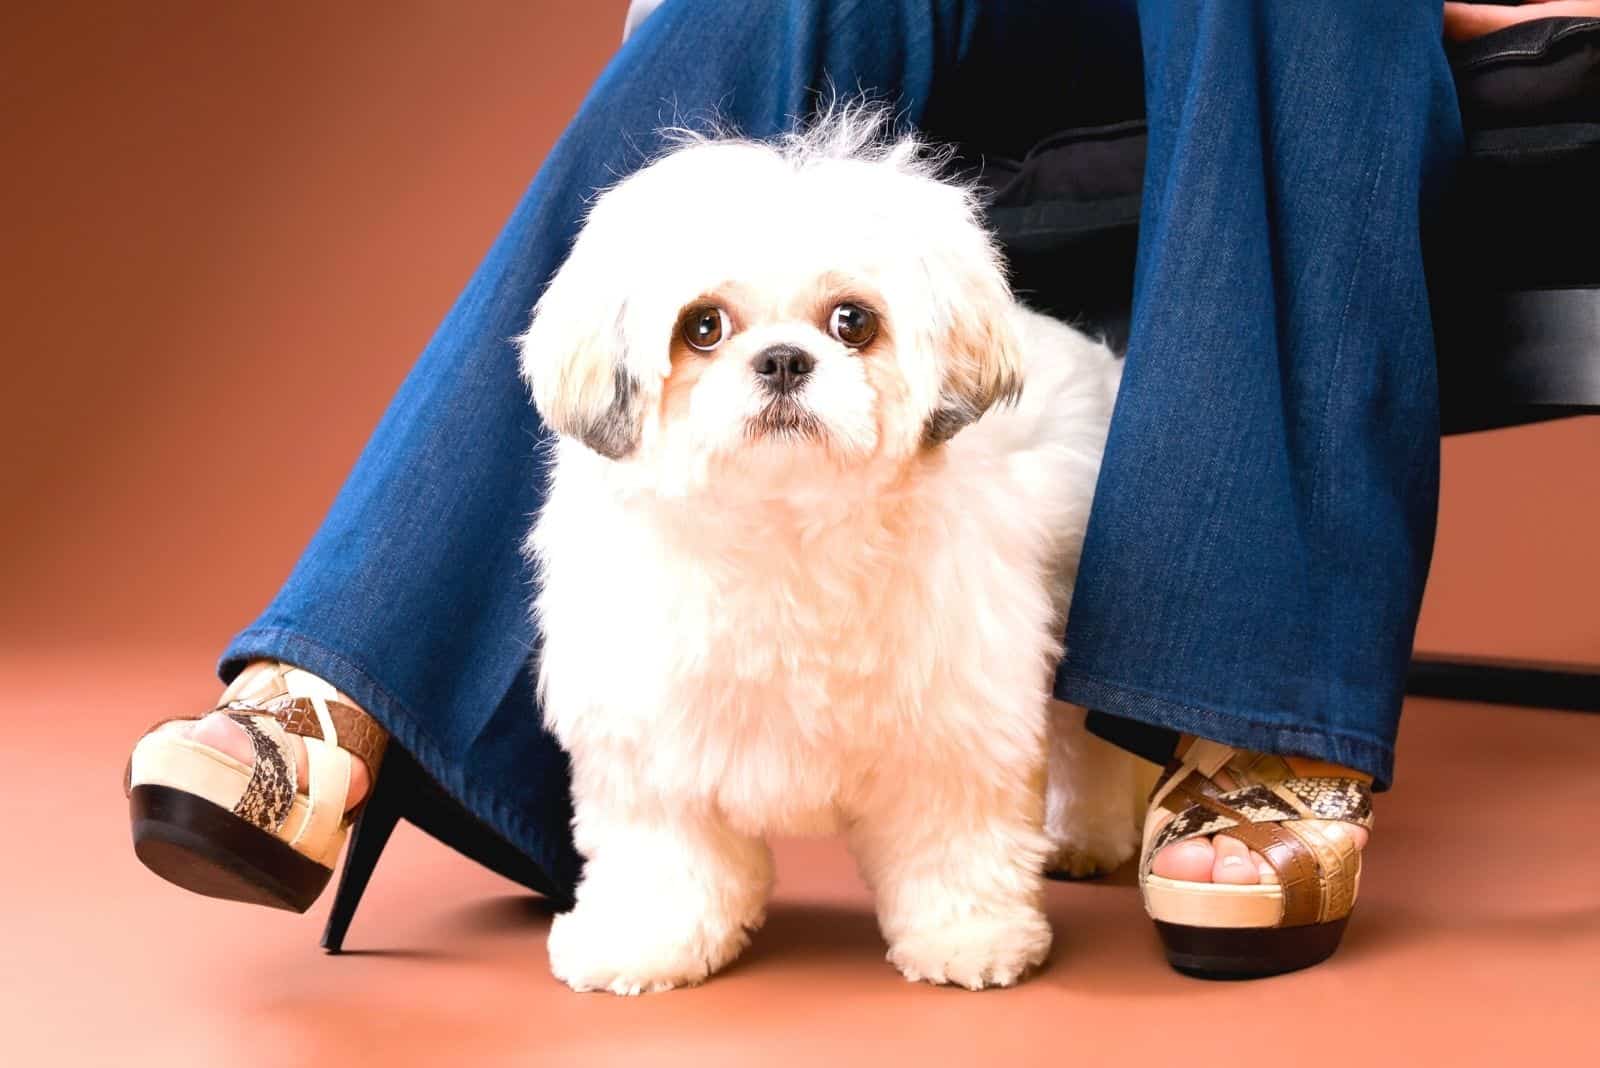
x=229, y=229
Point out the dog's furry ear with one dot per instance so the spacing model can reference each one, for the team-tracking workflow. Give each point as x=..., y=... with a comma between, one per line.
x=982, y=357
x=574, y=358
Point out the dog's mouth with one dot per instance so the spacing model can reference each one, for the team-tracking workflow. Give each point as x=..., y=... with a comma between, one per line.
x=783, y=418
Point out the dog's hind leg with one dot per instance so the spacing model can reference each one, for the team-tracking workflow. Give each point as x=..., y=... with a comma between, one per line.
x=1095, y=799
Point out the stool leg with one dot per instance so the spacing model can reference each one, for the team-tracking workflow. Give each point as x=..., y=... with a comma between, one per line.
x=1532, y=683
x=395, y=784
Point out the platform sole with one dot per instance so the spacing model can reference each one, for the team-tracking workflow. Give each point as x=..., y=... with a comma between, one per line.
x=203, y=847
x=1248, y=952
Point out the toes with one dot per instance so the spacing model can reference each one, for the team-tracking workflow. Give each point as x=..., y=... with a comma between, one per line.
x=1233, y=862
x=224, y=735
x=1219, y=860
x=1190, y=861
x=1227, y=860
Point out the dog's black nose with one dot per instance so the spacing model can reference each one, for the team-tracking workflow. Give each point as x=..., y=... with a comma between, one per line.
x=782, y=368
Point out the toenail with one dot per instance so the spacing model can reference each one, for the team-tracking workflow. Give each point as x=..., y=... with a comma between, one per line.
x=1232, y=862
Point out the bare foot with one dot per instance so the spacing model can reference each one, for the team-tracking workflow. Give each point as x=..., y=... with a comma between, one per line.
x=1221, y=859
x=223, y=734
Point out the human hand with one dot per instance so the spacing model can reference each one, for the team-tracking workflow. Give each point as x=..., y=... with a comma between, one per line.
x=1465, y=21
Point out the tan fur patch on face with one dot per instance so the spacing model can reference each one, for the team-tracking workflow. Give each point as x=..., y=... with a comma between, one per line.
x=687, y=367
x=891, y=405
x=835, y=288
x=982, y=369
x=688, y=363
x=884, y=378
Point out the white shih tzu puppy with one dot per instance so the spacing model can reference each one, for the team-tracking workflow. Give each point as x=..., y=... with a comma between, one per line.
x=813, y=524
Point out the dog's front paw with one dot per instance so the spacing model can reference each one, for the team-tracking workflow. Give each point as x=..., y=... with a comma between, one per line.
x=976, y=952
x=639, y=952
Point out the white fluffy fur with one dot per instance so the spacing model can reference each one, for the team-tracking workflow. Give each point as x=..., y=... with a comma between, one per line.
x=750, y=633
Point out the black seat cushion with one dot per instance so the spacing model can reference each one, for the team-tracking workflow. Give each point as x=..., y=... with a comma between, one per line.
x=1532, y=74
x=1524, y=212
x=1524, y=208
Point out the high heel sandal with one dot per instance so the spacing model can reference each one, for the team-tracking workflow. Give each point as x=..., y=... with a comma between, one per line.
x=219, y=827
x=185, y=798
x=1224, y=931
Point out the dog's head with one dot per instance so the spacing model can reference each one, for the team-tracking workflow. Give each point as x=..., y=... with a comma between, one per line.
x=816, y=304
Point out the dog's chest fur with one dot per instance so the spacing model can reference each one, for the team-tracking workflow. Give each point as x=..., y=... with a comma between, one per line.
x=773, y=667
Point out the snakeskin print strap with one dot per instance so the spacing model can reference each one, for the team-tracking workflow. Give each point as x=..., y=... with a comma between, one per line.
x=269, y=795
x=1264, y=805
x=1201, y=810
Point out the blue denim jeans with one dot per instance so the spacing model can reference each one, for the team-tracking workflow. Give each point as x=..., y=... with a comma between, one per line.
x=1263, y=522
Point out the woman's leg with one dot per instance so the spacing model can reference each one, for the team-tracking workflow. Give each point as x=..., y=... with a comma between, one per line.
x=412, y=598
x=1262, y=529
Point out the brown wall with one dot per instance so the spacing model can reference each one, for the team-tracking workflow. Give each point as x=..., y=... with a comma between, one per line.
x=229, y=227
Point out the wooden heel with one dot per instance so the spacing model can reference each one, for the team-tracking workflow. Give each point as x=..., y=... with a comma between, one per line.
x=1248, y=952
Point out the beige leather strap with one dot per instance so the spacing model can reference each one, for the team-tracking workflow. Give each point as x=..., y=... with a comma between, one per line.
x=327, y=791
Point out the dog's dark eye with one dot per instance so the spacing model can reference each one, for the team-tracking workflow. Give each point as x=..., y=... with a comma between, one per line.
x=704, y=328
x=853, y=325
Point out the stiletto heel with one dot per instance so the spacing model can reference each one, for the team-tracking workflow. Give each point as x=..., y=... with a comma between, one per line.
x=370, y=834
x=405, y=791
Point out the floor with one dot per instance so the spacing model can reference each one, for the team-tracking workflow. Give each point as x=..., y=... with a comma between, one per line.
x=1477, y=940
